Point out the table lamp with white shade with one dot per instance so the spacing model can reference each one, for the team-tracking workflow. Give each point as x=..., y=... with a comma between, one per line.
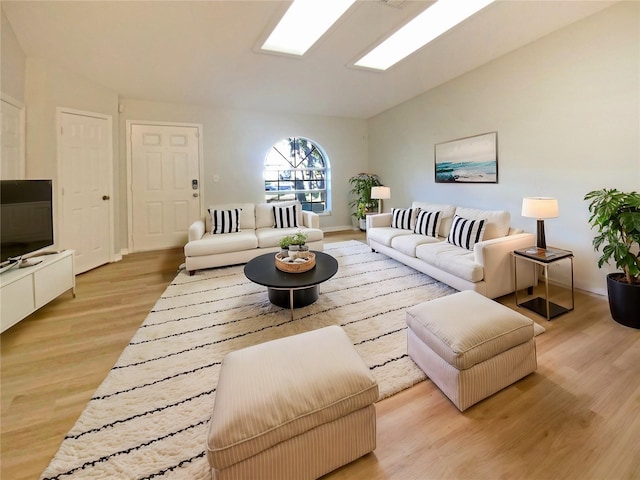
x=540, y=208
x=380, y=193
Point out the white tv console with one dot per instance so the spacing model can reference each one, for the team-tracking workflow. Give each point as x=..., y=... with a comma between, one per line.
x=25, y=290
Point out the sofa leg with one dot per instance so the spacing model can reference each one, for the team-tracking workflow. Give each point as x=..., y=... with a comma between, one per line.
x=530, y=290
x=191, y=273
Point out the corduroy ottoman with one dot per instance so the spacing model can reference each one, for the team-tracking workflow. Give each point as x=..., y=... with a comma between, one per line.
x=293, y=408
x=470, y=346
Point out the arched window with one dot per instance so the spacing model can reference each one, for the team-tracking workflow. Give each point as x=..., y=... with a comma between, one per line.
x=297, y=169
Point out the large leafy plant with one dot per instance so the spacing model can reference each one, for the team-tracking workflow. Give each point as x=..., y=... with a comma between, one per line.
x=361, y=193
x=616, y=216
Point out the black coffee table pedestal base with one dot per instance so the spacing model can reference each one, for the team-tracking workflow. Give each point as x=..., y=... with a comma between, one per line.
x=301, y=297
x=291, y=290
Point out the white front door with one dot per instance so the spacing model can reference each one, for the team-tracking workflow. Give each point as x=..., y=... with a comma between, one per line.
x=12, y=164
x=86, y=185
x=165, y=184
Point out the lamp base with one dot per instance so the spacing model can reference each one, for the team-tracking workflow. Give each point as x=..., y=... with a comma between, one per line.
x=542, y=241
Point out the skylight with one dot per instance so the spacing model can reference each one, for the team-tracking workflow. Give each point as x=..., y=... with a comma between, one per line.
x=430, y=24
x=303, y=24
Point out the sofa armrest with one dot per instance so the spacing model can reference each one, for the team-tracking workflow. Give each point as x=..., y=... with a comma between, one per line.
x=490, y=250
x=310, y=219
x=378, y=220
x=496, y=258
x=196, y=230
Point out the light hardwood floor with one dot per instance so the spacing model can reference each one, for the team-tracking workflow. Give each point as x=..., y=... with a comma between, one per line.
x=576, y=417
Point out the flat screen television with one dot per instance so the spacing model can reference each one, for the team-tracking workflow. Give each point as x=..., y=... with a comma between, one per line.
x=26, y=217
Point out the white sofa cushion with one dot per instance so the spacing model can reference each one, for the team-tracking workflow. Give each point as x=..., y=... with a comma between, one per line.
x=270, y=237
x=407, y=243
x=447, y=214
x=384, y=235
x=454, y=260
x=213, y=244
x=497, y=220
x=247, y=215
x=264, y=213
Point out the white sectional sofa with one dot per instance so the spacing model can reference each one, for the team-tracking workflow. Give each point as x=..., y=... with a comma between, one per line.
x=485, y=266
x=256, y=235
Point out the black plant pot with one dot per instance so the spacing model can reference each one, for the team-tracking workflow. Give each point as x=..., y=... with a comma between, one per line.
x=624, y=300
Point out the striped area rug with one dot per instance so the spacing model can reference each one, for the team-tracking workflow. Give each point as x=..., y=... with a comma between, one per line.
x=149, y=417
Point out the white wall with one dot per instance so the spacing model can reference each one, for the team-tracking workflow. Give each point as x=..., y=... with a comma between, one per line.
x=13, y=61
x=48, y=87
x=236, y=143
x=567, y=112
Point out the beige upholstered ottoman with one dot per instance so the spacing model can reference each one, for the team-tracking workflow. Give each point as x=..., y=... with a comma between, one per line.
x=293, y=408
x=470, y=346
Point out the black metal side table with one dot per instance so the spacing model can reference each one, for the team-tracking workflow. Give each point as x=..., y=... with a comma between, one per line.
x=543, y=257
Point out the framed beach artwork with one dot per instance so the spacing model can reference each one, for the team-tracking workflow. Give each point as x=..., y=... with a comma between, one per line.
x=468, y=160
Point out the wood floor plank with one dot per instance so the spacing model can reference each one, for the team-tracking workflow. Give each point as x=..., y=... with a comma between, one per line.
x=576, y=417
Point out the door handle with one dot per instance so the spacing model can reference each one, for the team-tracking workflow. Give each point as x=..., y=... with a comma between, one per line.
x=106, y=197
x=195, y=195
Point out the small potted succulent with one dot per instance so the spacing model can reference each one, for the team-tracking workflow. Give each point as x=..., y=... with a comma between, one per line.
x=298, y=242
x=293, y=243
x=284, y=244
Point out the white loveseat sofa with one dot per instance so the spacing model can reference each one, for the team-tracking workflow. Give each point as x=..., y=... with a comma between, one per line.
x=257, y=235
x=485, y=267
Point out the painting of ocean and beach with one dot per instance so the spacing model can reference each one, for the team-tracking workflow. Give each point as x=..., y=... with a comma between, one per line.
x=468, y=160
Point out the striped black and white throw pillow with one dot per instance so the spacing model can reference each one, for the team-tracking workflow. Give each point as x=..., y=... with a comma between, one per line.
x=225, y=221
x=401, y=218
x=428, y=223
x=466, y=233
x=285, y=217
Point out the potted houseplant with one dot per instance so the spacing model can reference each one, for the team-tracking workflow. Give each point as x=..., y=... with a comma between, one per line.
x=299, y=245
x=294, y=246
x=298, y=241
x=361, y=215
x=361, y=195
x=616, y=217
x=293, y=242
x=284, y=244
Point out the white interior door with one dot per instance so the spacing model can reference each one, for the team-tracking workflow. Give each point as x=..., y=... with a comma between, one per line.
x=86, y=172
x=12, y=162
x=165, y=184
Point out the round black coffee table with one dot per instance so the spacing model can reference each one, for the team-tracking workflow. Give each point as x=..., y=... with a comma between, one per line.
x=290, y=290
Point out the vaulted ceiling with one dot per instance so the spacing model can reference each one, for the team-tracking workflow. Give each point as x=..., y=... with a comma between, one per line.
x=207, y=52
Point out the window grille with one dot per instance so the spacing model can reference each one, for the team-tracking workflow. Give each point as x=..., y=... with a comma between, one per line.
x=297, y=169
